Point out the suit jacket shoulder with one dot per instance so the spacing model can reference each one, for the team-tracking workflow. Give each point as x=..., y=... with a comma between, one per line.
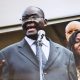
x=61, y=48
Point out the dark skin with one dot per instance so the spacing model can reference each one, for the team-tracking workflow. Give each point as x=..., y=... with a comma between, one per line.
x=32, y=21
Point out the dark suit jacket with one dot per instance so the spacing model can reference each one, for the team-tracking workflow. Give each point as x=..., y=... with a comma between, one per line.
x=22, y=64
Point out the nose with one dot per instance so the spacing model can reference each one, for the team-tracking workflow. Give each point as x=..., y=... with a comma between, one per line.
x=31, y=17
x=29, y=20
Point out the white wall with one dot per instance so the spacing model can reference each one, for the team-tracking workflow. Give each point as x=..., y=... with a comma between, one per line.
x=11, y=10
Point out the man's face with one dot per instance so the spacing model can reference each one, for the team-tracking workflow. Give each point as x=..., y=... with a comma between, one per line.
x=70, y=30
x=33, y=21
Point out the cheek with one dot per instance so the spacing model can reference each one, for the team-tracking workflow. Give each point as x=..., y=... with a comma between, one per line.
x=41, y=22
x=77, y=47
x=67, y=36
x=41, y=25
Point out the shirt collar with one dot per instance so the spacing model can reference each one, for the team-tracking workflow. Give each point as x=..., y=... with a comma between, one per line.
x=31, y=41
x=45, y=41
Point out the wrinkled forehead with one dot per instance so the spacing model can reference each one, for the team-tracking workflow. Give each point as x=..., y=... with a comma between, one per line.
x=33, y=10
x=72, y=28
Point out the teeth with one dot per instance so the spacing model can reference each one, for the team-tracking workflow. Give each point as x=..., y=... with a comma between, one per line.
x=32, y=24
x=32, y=29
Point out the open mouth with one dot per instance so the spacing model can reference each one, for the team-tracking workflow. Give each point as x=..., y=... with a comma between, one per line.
x=31, y=28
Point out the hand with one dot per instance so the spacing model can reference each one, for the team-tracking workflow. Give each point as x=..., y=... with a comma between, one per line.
x=1, y=66
x=2, y=63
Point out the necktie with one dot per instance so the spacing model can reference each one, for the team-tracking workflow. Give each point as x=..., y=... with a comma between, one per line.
x=40, y=55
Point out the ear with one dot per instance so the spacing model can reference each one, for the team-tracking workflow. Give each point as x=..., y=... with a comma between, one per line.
x=45, y=21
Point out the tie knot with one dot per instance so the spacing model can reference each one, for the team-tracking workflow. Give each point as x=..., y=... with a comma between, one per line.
x=38, y=43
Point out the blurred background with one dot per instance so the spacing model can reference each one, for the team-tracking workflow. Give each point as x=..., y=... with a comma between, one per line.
x=58, y=12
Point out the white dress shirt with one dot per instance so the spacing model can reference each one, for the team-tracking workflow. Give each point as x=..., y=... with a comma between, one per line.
x=45, y=46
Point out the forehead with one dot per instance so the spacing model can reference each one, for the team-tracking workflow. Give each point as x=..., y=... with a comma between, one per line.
x=33, y=10
x=73, y=27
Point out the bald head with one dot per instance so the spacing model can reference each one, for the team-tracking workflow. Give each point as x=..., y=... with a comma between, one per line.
x=32, y=10
x=71, y=28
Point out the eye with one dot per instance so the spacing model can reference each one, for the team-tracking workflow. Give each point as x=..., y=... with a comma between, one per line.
x=76, y=30
x=34, y=16
x=25, y=18
x=77, y=40
x=70, y=32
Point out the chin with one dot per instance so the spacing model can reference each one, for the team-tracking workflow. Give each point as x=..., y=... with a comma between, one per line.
x=32, y=34
x=34, y=37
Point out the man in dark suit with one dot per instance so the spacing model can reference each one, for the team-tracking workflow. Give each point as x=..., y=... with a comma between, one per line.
x=20, y=58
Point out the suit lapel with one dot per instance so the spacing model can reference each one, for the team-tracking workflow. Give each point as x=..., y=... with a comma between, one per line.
x=26, y=51
x=54, y=53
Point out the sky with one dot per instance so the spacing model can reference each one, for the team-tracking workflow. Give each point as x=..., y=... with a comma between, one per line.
x=11, y=10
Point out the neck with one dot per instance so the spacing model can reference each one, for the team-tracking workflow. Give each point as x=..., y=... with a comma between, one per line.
x=34, y=37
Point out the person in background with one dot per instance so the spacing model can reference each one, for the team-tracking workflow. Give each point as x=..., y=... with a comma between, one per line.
x=74, y=46
x=20, y=58
x=71, y=28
